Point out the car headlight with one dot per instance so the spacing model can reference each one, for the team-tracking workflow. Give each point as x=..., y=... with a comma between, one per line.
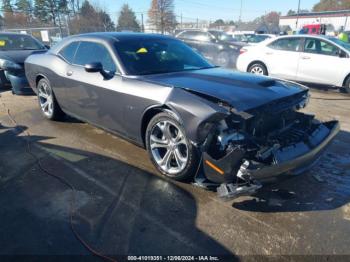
x=9, y=65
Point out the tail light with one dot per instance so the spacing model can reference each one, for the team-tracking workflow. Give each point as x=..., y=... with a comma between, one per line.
x=242, y=51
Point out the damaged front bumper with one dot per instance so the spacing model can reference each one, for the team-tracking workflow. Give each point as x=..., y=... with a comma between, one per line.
x=297, y=158
x=289, y=160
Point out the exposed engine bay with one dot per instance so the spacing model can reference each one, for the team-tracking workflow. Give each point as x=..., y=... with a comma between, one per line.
x=262, y=143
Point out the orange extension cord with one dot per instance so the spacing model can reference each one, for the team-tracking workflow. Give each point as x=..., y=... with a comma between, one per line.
x=66, y=183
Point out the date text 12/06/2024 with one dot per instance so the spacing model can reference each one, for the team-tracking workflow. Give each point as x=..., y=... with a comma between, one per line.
x=173, y=258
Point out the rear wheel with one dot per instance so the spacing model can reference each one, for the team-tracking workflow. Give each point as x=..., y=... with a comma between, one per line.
x=169, y=148
x=47, y=101
x=258, y=69
x=346, y=87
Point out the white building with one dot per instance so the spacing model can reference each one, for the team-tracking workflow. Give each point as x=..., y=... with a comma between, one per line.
x=338, y=19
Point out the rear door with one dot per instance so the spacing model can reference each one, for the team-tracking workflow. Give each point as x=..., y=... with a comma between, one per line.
x=320, y=62
x=282, y=57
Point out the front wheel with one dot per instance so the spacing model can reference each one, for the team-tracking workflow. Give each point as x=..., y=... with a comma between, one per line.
x=258, y=69
x=169, y=148
x=47, y=101
x=346, y=87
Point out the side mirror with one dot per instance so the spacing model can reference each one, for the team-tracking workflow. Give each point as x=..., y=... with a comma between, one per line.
x=47, y=46
x=94, y=67
x=342, y=54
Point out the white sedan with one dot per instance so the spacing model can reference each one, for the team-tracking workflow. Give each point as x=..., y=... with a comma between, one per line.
x=303, y=58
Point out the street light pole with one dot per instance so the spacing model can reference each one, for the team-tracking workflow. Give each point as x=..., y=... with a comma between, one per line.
x=298, y=15
x=240, y=12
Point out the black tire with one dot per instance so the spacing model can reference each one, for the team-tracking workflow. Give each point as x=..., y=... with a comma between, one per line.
x=258, y=67
x=223, y=59
x=346, y=87
x=191, y=165
x=56, y=112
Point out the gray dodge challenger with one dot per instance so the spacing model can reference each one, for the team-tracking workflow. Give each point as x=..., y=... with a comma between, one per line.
x=218, y=128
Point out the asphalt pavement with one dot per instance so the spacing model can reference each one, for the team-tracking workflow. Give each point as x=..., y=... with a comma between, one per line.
x=124, y=207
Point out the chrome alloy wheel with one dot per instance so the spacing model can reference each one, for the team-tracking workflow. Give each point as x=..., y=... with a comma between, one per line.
x=257, y=70
x=45, y=99
x=169, y=147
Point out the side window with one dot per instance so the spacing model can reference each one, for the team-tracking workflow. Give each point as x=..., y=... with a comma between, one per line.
x=202, y=36
x=329, y=49
x=316, y=46
x=68, y=51
x=311, y=46
x=187, y=35
x=286, y=44
x=89, y=52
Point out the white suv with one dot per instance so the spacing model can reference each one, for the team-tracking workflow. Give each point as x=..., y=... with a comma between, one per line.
x=303, y=58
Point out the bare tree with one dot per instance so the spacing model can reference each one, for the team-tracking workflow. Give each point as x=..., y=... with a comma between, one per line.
x=91, y=18
x=161, y=15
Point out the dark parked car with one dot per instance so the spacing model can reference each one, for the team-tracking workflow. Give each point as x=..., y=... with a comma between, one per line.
x=196, y=120
x=214, y=47
x=14, y=49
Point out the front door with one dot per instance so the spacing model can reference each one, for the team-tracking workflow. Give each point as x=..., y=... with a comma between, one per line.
x=320, y=62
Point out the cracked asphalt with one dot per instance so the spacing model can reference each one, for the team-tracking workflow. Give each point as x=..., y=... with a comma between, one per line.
x=123, y=207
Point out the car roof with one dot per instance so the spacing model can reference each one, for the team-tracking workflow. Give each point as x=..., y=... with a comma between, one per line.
x=109, y=37
x=122, y=36
x=305, y=35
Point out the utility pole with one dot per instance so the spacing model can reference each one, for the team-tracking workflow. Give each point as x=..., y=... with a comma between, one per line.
x=56, y=8
x=296, y=25
x=67, y=24
x=181, y=21
x=240, y=12
x=142, y=25
x=197, y=23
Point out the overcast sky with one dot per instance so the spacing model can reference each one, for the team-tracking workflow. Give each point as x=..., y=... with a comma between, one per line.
x=212, y=9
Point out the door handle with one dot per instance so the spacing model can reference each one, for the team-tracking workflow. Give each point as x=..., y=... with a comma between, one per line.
x=69, y=73
x=305, y=57
x=269, y=53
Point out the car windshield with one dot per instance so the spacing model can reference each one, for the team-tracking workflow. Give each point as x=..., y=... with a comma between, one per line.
x=341, y=43
x=19, y=42
x=154, y=56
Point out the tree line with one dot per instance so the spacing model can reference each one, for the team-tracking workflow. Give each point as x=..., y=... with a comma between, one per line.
x=84, y=16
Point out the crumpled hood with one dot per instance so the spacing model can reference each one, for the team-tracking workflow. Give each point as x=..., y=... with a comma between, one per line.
x=18, y=56
x=242, y=91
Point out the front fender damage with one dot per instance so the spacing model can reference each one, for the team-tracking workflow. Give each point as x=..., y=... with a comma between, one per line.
x=196, y=114
x=241, y=149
